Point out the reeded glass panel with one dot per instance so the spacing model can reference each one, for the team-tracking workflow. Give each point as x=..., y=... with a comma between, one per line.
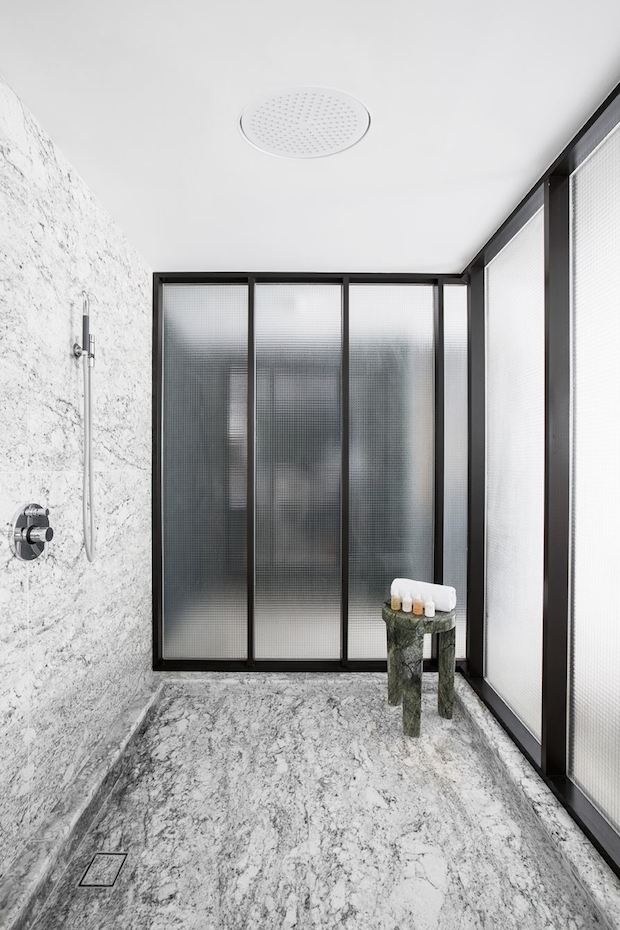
x=205, y=336
x=298, y=457
x=515, y=384
x=455, y=454
x=391, y=361
x=594, y=711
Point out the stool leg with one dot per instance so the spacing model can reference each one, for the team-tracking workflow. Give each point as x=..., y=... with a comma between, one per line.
x=394, y=670
x=445, y=694
x=412, y=661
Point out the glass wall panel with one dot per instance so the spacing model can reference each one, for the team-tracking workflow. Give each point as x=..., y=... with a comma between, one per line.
x=391, y=361
x=515, y=385
x=594, y=710
x=298, y=458
x=204, y=461
x=455, y=454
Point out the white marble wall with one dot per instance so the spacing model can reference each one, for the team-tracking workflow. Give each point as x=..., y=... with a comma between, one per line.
x=74, y=637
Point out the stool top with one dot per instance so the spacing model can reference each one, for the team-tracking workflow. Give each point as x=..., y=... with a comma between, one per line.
x=442, y=621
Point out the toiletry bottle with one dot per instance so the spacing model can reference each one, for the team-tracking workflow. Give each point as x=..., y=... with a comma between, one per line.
x=418, y=605
x=407, y=603
x=395, y=602
x=429, y=607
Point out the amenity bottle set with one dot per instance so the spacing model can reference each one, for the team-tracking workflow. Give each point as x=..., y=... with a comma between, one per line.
x=421, y=598
x=413, y=604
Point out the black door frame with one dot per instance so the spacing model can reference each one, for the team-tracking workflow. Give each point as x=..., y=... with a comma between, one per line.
x=344, y=664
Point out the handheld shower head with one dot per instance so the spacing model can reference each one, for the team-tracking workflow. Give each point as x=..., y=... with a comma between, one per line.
x=85, y=322
x=87, y=348
x=86, y=352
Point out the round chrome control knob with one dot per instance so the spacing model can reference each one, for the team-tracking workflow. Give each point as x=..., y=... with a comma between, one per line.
x=30, y=531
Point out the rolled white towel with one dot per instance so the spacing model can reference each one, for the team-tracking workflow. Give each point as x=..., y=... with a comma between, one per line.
x=443, y=595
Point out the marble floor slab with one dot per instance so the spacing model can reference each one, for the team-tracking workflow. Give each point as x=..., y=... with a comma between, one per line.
x=294, y=801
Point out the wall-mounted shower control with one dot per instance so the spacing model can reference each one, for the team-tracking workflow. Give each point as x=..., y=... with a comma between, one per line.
x=30, y=531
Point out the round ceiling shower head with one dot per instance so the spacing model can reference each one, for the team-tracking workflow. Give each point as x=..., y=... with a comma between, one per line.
x=305, y=122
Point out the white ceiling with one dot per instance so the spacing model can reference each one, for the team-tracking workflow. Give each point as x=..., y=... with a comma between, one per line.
x=470, y=101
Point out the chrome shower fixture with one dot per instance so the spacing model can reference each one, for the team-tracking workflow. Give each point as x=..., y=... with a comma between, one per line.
x=86, y=352
x=30, y=532
x=88, y=340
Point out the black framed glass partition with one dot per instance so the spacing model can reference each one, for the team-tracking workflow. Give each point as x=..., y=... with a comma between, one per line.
x=594, y=683
x=515, y=470
x=455, y=445
x=543, y=641
x=204, y=470
x=298, y=466
x=298, y=435
x=391, y=450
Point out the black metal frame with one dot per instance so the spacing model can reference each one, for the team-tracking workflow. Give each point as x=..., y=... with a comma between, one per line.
x=550, y=756
x=344, y=476
x=344, y=280
x=438, y=333
x=251, y=477
x=476, y=459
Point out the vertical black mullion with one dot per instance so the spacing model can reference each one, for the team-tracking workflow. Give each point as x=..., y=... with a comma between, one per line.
x=438, y=321
x=250, y=497
x=476, y=503
x=344, y=477
x=156, y=495
x=557, y=477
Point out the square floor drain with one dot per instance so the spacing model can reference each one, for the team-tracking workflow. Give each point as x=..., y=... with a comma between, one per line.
x=103, y=870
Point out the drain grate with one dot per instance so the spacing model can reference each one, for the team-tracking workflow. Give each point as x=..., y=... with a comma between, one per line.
x=103, y=870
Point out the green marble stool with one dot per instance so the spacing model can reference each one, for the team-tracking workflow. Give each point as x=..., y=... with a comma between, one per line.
x=405, y=657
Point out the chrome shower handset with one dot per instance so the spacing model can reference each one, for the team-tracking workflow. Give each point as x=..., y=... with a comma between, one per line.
x=88, y=340
x=86, y=352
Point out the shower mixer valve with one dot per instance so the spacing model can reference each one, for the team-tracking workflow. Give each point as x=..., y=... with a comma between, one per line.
x=30, y=531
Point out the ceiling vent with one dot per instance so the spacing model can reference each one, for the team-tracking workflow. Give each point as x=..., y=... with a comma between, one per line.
x=305, y=122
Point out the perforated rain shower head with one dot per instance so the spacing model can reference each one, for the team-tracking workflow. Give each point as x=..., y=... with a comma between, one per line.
x=305, y=122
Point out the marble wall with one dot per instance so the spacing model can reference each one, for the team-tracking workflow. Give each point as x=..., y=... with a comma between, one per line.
x=74, y=637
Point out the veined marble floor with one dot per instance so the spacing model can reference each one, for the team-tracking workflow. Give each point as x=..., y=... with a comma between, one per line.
x=281, y=801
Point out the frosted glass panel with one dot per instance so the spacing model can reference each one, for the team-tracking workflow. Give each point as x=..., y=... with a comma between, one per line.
x=515, y=384
x=594, y=713
x=298, y=457
x=391, y=360
x=455, y=454
x=205, y=334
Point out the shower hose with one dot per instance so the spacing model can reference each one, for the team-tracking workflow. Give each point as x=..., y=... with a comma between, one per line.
x=88, y=509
